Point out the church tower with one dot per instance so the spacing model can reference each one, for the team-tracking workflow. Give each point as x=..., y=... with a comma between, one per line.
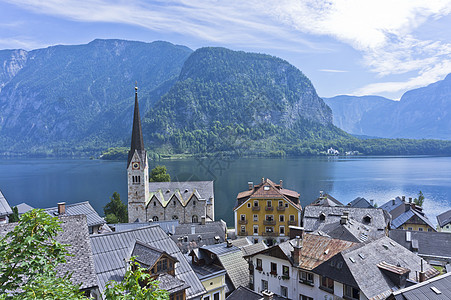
x=137, y=171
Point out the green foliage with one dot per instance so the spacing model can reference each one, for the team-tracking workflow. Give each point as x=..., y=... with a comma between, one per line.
x=116, y=153
x=28, y=256
x=420, y=200
x=115, y=210
x=136, y=285
x=15, y=216
x=159, y=174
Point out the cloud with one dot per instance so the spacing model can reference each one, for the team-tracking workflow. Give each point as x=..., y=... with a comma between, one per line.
x=383, y=31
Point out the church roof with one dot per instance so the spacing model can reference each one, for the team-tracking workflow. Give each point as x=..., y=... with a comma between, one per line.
x=137, y=134
x=182, y=191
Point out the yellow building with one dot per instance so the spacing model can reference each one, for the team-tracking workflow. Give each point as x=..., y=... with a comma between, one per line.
x=265, y=211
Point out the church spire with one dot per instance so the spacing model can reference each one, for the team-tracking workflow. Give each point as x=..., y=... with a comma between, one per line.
x=137, y=134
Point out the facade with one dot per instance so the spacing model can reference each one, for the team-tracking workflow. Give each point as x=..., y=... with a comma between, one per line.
x=213, y=279
x=5, y=209
x=188, y=202
x=444, y=222
x=407, y=215
x=265, y=212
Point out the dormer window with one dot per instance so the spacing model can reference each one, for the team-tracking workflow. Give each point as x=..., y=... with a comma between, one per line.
x=367, y=219
x=322, y=216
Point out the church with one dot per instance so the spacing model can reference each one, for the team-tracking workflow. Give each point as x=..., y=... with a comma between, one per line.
x=187, y=202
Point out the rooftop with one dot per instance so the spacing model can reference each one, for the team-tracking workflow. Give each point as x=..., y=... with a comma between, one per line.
x=183, y=191
x=326, y=200
x=5, y=209
x=444, y=218
x=437, y=288
x=423, y=242
x=81, y=208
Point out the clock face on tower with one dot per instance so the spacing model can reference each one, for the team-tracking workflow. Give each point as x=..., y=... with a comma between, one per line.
x=135, y=165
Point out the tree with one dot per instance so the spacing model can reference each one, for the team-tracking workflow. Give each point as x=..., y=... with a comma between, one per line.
x=28, y=257
x=115, y=210
x=15, y=216
x=420, y=200
x=159, y=174
x=135, y=285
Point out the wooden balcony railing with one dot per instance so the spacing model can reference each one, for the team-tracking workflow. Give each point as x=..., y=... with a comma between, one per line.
x=255, y=208
x=242, y=222
x=268, y=222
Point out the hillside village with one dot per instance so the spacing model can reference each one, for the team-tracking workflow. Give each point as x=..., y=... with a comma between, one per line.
x=276, y=249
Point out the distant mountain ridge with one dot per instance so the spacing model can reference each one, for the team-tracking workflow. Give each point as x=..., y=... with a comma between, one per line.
x=67, y=97
x=226, y=98
x=423, y=113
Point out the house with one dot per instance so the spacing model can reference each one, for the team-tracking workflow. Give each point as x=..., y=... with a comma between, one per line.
x=326, y=200
x=95, y=222
x=112, y=251
x=372, y=270
x=265, y=211
x=194, y=235
x=320, y=217
x=213, y=279
x=434, y=247
x=286, y=269
x=444, y=221
x=5, y=209
x=225, y=256
x=244, y=293
x=361, y=202
x=332, y=151
x=407, y=215
x=187, y=202
x=437, y=288
x=316, y=267
x=23, y=208
x=80, y=263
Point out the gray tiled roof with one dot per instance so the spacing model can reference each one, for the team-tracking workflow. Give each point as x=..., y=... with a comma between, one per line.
x=360, y=202
x=444, y=218
x=404, y=217
x=5, y=209
x=81, y=263
x=168, y=226
x=81, y=208
x=425, y=290
x=326, y=200
x=428, y=243
x=352, y=231
x=170, y=283
x=145, y=254
x=23, y=208
x=244, y=293
x=199, y=235
x=392, y=204
x=360, y=266
x=164, y=191
x=311, y=220
x=110, y=250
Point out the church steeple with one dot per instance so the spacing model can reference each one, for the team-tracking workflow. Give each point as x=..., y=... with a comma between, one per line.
x=137, y=134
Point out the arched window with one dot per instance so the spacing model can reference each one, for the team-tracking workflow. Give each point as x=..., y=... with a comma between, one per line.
x=174, y=203
x=155, y=218
x=195, y=219
x=194, y=202
x=155, y=203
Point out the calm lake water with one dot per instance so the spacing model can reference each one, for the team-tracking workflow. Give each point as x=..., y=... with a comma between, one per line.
x=43, y=183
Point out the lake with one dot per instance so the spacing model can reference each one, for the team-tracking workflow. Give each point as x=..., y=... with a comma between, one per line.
x=44, y=182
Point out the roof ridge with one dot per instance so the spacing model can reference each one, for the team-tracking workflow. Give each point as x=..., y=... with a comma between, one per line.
x=124, y=231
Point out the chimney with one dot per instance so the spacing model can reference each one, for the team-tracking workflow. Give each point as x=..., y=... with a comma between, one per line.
x=410, y=199
x=297, y=247
x=372, y=202
x=321, y=194
x=263, y=179
x=250, y=185
x=403, y=198
x=229, y=243
x=62, y=208
x=267, y=295
x=422, y=276
x=344, y=219
x=393, y=201
x=202, y=220
x=281, y=184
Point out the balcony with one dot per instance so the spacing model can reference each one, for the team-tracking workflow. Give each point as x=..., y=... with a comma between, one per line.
x=269, y=208
x=242, y=222
x=242, y=233
x=269, y=222
x=255, y=208
x=280, y=208
x=269, y=234
x=292, y=223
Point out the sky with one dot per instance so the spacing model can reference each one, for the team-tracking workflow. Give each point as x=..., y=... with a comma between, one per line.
x=353, y=47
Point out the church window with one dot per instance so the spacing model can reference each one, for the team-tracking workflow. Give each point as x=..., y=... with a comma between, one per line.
x=155, y=203
x=195, y=219
x=174, y=217
x=155, y=218
x=174, y=203
x=133, y=179
x=194, y=202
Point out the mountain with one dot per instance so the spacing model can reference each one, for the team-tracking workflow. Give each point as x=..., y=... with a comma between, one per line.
x=422, y=113
x=71, y=98
x=228, y=100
